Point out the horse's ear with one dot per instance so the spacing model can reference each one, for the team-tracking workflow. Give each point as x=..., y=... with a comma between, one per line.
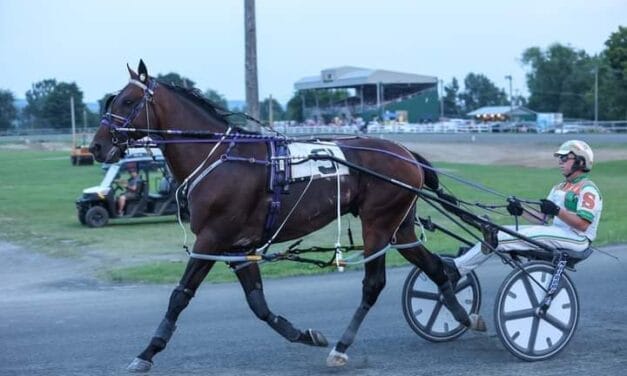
x=132, y=72
x=143, y=72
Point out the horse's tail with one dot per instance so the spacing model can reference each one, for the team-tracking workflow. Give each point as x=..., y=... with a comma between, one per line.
x=431, y=177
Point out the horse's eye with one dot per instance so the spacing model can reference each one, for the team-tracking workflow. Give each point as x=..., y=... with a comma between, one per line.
x=128, y=102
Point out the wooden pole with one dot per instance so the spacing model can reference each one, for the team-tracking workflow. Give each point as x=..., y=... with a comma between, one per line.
x=270, y=114
x=252, y=85
x=73, y=122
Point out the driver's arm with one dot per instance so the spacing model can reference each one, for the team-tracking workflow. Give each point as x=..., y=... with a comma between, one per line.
x=534, y=216
x=573, y=220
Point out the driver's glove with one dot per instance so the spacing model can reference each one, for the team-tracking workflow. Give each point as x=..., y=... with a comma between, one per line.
x=548, y=207
x=514, y=207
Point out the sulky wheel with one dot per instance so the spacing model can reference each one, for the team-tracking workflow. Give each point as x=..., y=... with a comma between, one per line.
x=524, y=331
x=426, y=314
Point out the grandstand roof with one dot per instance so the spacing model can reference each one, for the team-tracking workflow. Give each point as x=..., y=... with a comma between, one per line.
x=505, y=110
x=348, y=76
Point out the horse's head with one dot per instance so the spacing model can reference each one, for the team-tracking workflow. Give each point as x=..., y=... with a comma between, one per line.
x=126, y=117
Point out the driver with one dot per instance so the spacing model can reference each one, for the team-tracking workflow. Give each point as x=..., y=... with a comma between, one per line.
x=574, y=206
x=132, y=191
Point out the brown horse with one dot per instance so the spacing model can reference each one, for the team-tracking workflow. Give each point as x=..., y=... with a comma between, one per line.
x=230, y=201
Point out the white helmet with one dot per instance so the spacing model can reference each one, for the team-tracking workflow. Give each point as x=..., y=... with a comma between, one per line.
x=579, y=149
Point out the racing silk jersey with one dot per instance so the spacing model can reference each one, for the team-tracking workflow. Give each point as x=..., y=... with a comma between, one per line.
x=582, y=197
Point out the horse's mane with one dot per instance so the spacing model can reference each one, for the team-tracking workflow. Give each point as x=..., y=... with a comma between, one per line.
x=241, y=122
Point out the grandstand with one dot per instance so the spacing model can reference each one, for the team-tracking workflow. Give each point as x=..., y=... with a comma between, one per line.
x=371, y=93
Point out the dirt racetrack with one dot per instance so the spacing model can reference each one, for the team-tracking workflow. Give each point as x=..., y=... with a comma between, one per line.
x=529, y=150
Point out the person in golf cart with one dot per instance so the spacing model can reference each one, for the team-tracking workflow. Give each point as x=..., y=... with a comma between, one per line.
x=574, y=206
x=133, y=189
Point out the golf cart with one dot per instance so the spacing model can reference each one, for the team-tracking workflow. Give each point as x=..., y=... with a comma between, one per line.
x=155, y=194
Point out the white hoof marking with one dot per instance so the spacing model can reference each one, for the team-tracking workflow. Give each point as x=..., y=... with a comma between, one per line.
x=336, y=359
x=477, y=323
x=139, y=365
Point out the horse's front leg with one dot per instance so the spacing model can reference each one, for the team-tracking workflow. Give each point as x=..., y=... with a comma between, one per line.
x=250, y=279
x=194, y=274
x=372, y=285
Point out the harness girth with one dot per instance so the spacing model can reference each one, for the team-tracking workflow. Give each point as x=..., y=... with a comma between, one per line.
x=279, y=178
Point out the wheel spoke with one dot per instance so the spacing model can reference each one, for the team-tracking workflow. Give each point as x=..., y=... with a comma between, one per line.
x=463, y=285
x=434, y=316
x=532, y=295
x=520, y=314
x=425, y=295
x=533, y=334
x=556, y=323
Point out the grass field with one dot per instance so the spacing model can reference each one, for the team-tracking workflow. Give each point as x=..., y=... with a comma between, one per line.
x=38, y=190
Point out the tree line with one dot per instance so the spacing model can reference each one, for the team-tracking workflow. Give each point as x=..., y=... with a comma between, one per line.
x=559, y=78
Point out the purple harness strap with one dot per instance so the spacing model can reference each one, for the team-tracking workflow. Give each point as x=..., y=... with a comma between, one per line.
x=279, y=183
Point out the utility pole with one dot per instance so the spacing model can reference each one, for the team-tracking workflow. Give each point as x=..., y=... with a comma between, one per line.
x=511, y=99
x=270, y=114
x=596, y=96
x=72, y=116
x=441, y=99
x=84, y=137
x=252, y=85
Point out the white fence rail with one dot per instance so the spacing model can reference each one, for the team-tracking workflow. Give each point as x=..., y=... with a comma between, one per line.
x=438, y=127
x=453, y=127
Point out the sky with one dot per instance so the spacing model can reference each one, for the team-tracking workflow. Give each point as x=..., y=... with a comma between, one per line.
x=90, y=42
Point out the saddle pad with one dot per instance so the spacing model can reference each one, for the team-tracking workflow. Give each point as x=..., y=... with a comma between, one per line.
x=315, y=169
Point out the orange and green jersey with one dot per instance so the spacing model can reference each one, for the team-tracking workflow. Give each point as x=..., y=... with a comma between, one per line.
x=582, y=197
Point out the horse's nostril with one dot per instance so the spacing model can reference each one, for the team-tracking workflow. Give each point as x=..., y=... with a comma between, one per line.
x=94, y=148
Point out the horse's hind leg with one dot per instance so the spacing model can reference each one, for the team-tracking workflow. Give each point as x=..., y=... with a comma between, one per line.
x=433, y=267
x=194, y=274
x=372, y=285
x=250, y=279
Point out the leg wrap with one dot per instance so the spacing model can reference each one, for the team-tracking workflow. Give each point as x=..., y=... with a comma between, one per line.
x=349, y=335
x=450, y=301
x=165, y=330
x=283, y=327
x=178, y=301
x=257, y=303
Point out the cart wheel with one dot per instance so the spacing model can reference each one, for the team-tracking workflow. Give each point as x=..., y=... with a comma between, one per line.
x=424, y=311
x=525, y=333
x=96, y=216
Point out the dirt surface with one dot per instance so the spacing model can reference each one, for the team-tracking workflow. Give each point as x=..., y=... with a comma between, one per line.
x=508, y=149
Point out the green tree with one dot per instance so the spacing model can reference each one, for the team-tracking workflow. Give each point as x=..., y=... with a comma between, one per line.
x=294, y=108
x=49, y=104
x=176, y=79
x=8, y=113
x=277, y=110
x=560, y=80
x=479, y=91
x=57, y=105
x=36, y=98
x=613, y=76
x=450, y=99
x=216, y=98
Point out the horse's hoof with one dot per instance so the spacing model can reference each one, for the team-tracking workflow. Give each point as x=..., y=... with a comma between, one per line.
x=139, y=365
x=315, y=338
x=477, y=323
x=336, y=359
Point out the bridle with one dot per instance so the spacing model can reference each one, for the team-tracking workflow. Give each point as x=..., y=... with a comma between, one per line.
x=116, y=122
